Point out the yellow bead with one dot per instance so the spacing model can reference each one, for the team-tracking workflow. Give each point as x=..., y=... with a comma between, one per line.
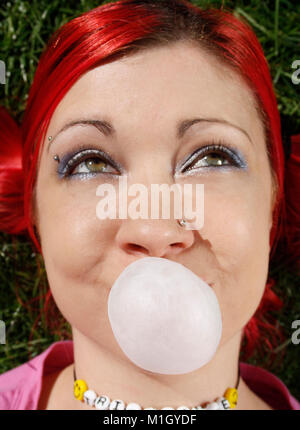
x=80, y=387
x=231, y=395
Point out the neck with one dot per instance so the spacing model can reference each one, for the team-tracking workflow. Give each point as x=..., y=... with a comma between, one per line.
x=109, y=372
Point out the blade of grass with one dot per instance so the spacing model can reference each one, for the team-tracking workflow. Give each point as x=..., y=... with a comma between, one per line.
x=276, y=26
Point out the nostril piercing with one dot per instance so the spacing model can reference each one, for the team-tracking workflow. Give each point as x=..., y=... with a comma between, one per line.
x=182, y=222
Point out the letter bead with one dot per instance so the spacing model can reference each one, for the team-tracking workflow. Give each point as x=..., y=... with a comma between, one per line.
x=133, y=407
x=89, y=397
x=102, y=403
x=223, y=403
x=117, y=405
x=212, y=406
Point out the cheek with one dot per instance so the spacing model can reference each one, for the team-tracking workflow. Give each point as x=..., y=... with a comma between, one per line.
x=76, y=246
x=236, y=225
x=74, y=237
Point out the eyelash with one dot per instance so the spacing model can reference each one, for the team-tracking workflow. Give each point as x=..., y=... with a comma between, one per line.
x=70, y=161
x=216, y=147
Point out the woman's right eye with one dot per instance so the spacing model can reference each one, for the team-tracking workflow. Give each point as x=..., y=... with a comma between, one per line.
x=92, y=165
x=85, y=163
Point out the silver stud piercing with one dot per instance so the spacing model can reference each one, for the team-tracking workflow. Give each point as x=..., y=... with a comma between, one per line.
x=49, y=137
x=182, y=222
x=56, y=157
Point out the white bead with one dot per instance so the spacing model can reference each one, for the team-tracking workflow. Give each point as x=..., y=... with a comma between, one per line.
x=102, y=403
x=89, y=397
x=133, y=406
x=212, y=406
x=148, y=409
x=197, y=408
x=183, y=408
x=167, y=408
x=223, y=403
x=117, y=405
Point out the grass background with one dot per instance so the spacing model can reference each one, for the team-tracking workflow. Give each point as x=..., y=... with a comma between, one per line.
x=25, y=27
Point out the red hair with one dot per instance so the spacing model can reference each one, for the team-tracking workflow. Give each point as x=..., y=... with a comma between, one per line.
x=105, y=34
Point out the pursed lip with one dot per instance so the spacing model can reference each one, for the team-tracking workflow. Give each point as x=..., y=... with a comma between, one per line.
x=211, y=284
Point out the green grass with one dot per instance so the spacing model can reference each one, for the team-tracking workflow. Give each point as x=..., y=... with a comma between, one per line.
x=25, y=27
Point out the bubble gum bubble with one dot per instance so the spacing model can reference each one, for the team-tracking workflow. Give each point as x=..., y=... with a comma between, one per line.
x=164, y=317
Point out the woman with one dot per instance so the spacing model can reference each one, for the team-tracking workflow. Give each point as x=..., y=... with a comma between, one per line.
x=157, y=92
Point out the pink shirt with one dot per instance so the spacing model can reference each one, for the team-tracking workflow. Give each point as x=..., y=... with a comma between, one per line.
x=20, y=387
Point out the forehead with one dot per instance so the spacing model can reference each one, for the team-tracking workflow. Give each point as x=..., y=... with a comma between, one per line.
x=160, y=85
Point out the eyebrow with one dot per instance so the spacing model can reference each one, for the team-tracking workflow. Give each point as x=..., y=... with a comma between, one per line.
x=108, y=129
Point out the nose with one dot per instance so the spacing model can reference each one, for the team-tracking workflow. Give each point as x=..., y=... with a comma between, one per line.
x=154, y=238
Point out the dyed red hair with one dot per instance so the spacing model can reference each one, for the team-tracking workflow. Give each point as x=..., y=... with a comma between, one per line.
x=105, y=34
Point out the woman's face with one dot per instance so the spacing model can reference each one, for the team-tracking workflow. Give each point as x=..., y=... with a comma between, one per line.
x=145, y=97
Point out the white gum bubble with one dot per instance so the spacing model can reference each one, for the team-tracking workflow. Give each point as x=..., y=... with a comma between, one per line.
x=164, y=317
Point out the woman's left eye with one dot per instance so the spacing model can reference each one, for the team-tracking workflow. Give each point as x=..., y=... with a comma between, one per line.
x=213, y=156
x=212, y=159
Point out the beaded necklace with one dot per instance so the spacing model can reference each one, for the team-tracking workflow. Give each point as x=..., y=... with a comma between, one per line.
x=103, y=402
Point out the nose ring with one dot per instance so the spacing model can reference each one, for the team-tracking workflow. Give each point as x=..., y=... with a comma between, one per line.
x=182, y=222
